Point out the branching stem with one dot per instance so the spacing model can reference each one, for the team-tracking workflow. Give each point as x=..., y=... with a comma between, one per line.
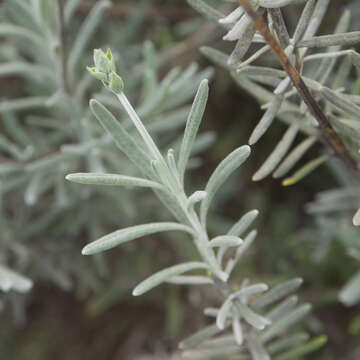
x=327, y=134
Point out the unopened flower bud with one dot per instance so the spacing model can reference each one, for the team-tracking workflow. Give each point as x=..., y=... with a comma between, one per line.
x=116, y=83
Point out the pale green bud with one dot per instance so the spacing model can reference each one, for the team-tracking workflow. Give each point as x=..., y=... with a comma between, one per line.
x=116, y=83
x=102, y=62
x=110, y=56
x=98, y=75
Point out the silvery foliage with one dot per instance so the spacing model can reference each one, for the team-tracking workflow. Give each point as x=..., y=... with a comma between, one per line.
x=331, y=209
x=49, y=131
x=252, y=320
x=327, y=72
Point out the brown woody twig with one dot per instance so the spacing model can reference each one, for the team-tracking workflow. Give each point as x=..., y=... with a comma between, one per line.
x=327, y=134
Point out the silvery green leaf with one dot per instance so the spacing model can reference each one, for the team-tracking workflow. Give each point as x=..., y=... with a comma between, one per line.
x=270, y=4
x=23, y=104
x=166, y=274
x=225, y=241
x=237, y=330
x=261, y=71
x=356, y=218
x=224, y=313
x=122, y=138
x=340, y=101
x=84, y=34
x=256, y=347
x=206, y=10
x=192, y=126
x=233, y=16
x=240, y=251
x=190, y=280
x=199, y=337
x=282, y=309
x=171, y=162
x=220, y=175
x=216, y=56
x=242, y=225
x=346, y=39
x=111, y=179
x=305, y=349
x=305, y=170
x=288, y=342
x=277, y=293
x=350, y=294
x=304, y=20
x=196, y=197
x=10, y=280
x=266, y=119
x=242, y=45
x=257, y=321
x=278, y=153
x=294, y=156
x=254, y=56
x=249, y=290
x=284, y=323
x=133, y=232
x=238, y=31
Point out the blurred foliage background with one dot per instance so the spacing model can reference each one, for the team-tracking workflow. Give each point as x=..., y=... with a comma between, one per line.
x=81, y=308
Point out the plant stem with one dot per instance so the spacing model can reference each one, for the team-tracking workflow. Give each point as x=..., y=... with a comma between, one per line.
x=62, y=47
x=327, y=134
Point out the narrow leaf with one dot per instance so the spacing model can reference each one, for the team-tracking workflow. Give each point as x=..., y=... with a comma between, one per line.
x=190, y=280
x=199, y=337
x=111, y=179
x=192, y=126
x=277, y=293
x=257, y=321
x=345, y=39
x=225, y=240
x=284, y=323
x=279, y=152
x=124, y=235
x=300, y=351
x=305, y=170
x=294, y=156
x=122, y=138
x=242, y=225
x=166, y=274
x=220, y=175
x=206, y=10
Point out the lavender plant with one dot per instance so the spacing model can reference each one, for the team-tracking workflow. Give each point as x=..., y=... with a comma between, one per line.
x=251, y=320
x=48, y=131
x=328, y=114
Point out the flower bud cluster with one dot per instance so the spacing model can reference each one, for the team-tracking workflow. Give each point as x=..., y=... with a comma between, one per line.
x=105, y=71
